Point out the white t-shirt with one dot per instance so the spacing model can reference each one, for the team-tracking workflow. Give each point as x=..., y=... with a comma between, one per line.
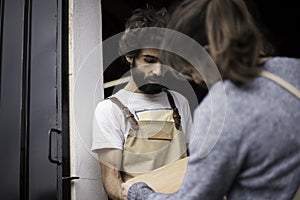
x=110, y=128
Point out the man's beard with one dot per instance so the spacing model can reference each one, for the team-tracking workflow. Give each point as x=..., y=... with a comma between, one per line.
x=143, y=83
x=151, y=88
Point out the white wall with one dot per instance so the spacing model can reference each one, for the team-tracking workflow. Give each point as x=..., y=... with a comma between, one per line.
x=86, y=89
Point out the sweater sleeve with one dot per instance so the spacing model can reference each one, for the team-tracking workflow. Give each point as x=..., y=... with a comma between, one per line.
x=139, y=191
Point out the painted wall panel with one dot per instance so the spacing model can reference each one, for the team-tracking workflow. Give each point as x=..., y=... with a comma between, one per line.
x=86, y=85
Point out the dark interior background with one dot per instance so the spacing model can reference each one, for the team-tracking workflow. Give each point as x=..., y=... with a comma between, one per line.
x=279, y=20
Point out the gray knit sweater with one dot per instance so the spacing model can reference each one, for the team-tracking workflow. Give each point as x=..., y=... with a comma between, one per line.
x=257, y=156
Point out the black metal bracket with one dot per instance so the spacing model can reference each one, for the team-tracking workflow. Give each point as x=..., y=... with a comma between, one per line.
x=69, y=178
x=51, y=131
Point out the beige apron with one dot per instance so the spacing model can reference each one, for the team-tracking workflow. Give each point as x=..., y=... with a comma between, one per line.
x=153, y=141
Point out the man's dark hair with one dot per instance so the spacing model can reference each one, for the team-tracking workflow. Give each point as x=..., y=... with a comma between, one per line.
x=141, y=18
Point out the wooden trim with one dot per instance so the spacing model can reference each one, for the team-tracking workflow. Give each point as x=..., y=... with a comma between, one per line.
x=116, y=82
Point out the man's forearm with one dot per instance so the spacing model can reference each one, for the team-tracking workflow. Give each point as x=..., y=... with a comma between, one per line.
x=110, y=162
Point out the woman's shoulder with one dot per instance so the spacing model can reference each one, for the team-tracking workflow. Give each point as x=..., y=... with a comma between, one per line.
x=283, y=61
x=285, y=67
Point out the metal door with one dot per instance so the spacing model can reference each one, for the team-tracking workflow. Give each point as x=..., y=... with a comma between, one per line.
x=31, y=100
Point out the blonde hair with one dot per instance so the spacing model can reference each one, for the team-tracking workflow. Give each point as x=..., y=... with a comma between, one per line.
x=229, y=30
x=234, y=40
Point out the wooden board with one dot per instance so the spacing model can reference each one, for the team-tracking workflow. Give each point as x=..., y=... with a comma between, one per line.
x=167, y=179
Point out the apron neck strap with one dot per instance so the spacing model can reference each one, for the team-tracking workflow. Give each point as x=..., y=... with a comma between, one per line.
x=176, y=115
x=128, y=115
x=280, y=82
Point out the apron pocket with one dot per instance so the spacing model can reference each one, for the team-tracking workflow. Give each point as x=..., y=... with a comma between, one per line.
x=161, y=136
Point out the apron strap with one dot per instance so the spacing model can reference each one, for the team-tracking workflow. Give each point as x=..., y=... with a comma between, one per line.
x=128, y=115
x=176, y=115
x=280, y=82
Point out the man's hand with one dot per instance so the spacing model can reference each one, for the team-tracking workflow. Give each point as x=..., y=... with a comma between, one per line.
x=125, y=188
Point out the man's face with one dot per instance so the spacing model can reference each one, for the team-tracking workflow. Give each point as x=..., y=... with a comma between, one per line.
x=147, y=71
